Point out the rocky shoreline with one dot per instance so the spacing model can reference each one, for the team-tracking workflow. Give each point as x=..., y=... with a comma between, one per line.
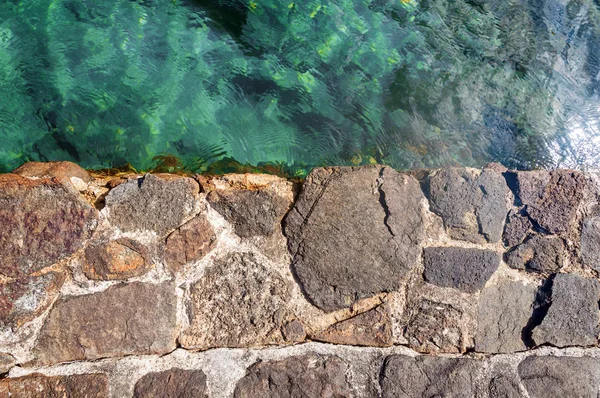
x=358, y=281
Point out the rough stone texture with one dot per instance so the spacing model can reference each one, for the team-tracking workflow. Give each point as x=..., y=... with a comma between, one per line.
x=426, y=376
x=504, y=311
x=354, y=232
x=517, y=226
x=40, y=386
x=590, y=242
x=503, y=386
x=572, y=319
x=461, y=268
x=7, y=361
x=48, y=222
x=251, y=212
x=236, y=304
x=118, y=259
x=152, y=203
x=539, y=253
x=172, y=383
x=134, y=318
x=565, y=377
x=305, y=376
x=472, y=205
x=371, y=328
x=294, y=331
x=25, y=298
x=189, y=243
x=551, y=198
x=53, y=170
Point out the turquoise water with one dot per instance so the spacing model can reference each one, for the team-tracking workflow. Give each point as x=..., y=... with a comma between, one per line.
x=300, y=83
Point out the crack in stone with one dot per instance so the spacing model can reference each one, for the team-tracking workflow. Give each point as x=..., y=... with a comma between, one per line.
x=383, y=203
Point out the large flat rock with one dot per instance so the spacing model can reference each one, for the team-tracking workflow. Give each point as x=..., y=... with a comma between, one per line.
x=354, y=232
x=126, y=319
x=42, y=222
x=40, y=386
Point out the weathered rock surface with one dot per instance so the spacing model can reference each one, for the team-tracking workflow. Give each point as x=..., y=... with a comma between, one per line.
x=504, y=311
x=551, y=198
x=572, y=319
x=152, y=203
x=539, y=253
x=117, y=259
x=25, y=298
x=503, y=386
x=189, y=243
x=134, y=318
x=472, y=204
x=48, y=222
x=370, y=328
x=517, y=226
x=461, y=268
x=172, y=383
x=567, y=377
x=7, y=361
x=293, y=331
x=53, y=170
x=40, y=386
x=426, y=376
x=305, y=376
x=354, y=232
x=235, y=304
x=590, y=242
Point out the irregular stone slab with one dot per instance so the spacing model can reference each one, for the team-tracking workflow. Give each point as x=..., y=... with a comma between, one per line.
x=371, y=328
x=472, y=204
x=428, y=376
x=53, y=170
x=590, y=242
x=461, y=268
x=551, y=198
x=125, y=319
x=354, y=232
x=116, y=260
x=516, y=228
x=172, y=383
x=7, y=361
x=252, y=213
x=560, y=376
x=504, y=311
x=23, y=299
x=572, y=319
x=189, y=243
x=539, y=253
x=40, y=386
x=48, y=222
x=304, y=376
x=152, y=203
x=234, y=305
x=503, y=386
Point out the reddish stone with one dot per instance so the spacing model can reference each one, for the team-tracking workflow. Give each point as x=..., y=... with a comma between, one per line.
x=40, y=386
x=189, y=243
x=118, y=259
x=53, y=169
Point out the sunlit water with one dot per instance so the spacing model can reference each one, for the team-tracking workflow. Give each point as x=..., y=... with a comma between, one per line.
x=300, y=83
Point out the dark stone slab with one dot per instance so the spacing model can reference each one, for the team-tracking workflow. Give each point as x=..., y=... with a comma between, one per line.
x=252, y=213
x=428, y=376
x=539, y=253
x=551, y=198
x=354, y=232
x=472, y=205
x=504, y=311
x=172, y=383
x=125, y=319
x=461, y=268
x=40, y=386
x=304, y=376
x=116, y=259
x=517, y=226
x=590, y=242
x=503, y=386
x=152, y=203
x=189, y=243
x=572, y=319
x=48, y=222
x=565, y=377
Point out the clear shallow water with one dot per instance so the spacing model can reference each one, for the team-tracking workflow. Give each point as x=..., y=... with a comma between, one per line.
x=300, y=83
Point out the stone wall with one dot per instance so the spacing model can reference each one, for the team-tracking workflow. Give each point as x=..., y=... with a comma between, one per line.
x=358, y=282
